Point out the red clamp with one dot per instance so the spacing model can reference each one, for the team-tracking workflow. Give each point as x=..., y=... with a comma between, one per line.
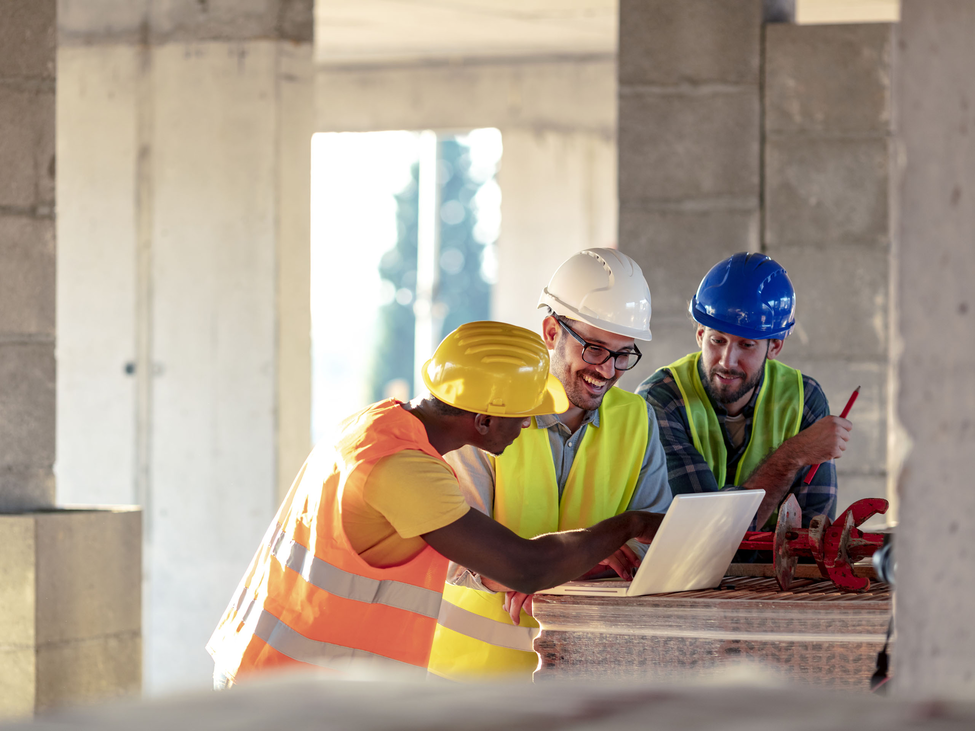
x=834, y=546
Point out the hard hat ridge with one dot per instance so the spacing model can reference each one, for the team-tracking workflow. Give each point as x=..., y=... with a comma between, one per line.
x=748, y=295
x=604, y=288
x=494, y=368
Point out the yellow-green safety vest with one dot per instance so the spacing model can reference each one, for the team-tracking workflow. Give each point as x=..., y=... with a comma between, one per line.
x=778, y=416
x=475, y=638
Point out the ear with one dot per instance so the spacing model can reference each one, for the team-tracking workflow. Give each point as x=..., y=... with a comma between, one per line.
x=550, y=331
x=774, y=348
x=482, y=423
x=700, y=335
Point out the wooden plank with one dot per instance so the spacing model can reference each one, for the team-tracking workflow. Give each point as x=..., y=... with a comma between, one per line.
x=803, y=570
x=812, y=634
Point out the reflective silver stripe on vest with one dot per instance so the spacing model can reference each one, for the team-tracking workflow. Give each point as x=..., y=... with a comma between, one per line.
x=337, y=582
x=323, y=654
x=487, y=630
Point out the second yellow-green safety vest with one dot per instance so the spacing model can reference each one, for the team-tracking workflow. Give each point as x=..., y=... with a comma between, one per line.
x=475, y=637
x=777, y=417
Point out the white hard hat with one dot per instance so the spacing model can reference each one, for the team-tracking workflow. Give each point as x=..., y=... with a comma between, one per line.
x=603, y=288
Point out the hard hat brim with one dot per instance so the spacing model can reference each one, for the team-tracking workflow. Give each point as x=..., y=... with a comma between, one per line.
x=554, y=400
x=702, y=318
x=564, y=309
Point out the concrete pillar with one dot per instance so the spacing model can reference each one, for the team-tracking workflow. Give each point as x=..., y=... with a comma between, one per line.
x=827, y=220
x=70, y=624
x=689, y=151
x=70, y=608
x=558, y=170
x=27, y=373
x=934, y=317
x=184, y=142
x=739, y=136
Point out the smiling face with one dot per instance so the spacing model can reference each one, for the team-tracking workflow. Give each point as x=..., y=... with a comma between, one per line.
x=733, y=366
x=585, y=384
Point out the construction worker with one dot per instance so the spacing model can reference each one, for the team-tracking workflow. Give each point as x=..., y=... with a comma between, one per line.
x=599, y=458
x=352, y=568
x=732, y=416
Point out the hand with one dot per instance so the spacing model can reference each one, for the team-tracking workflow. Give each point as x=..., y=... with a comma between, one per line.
x=514, y=602
x=823, y=441
x=624, y=562
x=647, y=525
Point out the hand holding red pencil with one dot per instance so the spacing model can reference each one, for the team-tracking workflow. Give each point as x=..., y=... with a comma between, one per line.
x=846, y=410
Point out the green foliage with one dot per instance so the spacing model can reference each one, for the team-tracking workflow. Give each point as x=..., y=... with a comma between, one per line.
x=462, y=294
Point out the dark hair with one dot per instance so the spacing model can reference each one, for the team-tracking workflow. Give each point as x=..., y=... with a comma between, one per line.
x=444, y=409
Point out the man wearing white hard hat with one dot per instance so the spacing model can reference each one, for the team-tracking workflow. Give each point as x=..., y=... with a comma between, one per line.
x=599, y=458
x=349, y=575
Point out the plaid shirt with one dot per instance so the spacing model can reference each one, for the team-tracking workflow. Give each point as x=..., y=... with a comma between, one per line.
x=689, y=472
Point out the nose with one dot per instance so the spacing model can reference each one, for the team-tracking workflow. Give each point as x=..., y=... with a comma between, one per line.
x=608, y=369
x=728, y=358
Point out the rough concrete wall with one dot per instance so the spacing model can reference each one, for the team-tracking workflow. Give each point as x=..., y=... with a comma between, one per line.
x=935, y=321
x=827, y=220
x=186, y=220
x=211, y=468
x=571, y=96
x=27, y=277
x=558, y=170
x=295, y=120
x=690, y=150
x=98, y=146
x=558, y=196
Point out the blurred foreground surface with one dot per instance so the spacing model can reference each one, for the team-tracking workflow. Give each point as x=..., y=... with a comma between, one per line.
x=302, y=702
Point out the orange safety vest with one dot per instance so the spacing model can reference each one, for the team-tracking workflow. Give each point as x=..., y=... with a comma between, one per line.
x=307, y=597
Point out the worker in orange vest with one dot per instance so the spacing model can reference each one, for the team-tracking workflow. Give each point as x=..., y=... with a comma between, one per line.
x=350, y=573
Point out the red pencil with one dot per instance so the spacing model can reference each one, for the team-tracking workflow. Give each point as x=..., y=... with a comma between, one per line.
x=846, y=410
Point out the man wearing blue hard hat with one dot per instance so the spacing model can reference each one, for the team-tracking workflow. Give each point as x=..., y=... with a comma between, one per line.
x=732, y=416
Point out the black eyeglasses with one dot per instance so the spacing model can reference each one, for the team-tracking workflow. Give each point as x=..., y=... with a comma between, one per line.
x=597, y=354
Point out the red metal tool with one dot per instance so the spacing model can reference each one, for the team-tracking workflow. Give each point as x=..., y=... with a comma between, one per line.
x=834, y=546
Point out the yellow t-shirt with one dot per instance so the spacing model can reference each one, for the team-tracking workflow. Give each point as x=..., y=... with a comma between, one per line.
x=406, y=495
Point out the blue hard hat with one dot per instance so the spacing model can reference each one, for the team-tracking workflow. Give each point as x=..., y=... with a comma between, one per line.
x=748, y=295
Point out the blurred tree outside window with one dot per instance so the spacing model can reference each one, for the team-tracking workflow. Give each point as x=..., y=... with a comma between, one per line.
x=404, y=229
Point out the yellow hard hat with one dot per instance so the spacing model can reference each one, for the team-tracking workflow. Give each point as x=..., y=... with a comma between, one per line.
x=494, y=368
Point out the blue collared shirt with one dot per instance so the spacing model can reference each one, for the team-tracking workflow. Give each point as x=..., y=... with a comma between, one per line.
x=475, y=472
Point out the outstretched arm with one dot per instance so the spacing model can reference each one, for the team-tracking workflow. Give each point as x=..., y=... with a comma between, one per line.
x=530, y=565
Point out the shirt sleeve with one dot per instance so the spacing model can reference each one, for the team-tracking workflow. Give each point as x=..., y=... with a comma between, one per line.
x=687, y=470
x=652, y=493
x=475, y=475
x=416, y=493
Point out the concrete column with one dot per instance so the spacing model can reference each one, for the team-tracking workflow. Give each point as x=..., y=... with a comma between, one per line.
x=558, y=171
x=70, y=608
x=689, y=151
x=934, y=317
x=27, y=373
x=70, y=624
x=184, y=143
x=827, y=220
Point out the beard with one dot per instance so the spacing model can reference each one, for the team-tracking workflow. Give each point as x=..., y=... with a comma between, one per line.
x=723, y=394
x=575, y=389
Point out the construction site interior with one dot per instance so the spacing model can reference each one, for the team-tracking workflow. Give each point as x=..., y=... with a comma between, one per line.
x=201, y=214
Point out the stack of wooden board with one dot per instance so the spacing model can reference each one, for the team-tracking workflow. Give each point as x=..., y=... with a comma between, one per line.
x=812, y=634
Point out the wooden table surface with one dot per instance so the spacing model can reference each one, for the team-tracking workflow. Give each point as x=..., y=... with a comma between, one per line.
x=812, y=634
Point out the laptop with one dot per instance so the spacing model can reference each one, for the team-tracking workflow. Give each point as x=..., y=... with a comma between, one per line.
x=692, y=550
